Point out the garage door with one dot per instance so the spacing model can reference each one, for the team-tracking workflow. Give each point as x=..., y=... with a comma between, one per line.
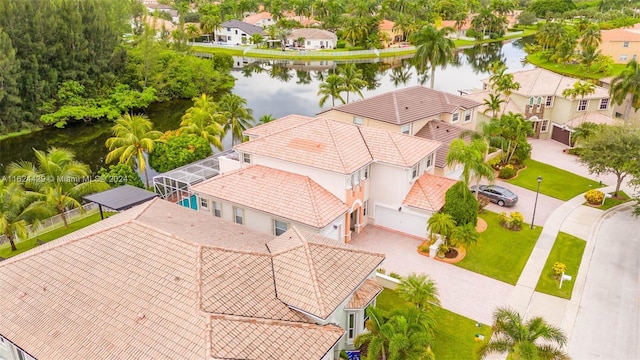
x=561, y=135
x=403, y=221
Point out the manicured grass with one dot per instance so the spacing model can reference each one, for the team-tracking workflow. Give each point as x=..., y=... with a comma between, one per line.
x=568, y=250
x=556, y=182
x=573, y=70
x=500, y=253
x=5, y=249
x=611, y=202
x=455, y=334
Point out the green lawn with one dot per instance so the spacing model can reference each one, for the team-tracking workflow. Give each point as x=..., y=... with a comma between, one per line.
x=556, y=182
x=455, y=334
x=568, y=250
x=572, y=70
x=611, y=202
x=5, y=249
x=500, y=253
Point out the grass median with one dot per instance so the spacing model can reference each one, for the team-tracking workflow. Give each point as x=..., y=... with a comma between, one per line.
x=568, y=250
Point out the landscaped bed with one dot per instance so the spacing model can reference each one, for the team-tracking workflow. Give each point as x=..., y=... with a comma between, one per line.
x=455, y=334
x=568, y=250
x=556, y=182
x=614, y=201
x=501, y=253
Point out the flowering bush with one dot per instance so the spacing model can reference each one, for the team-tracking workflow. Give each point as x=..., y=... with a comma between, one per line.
x=594, y=196
x=507, y=172
x=514, y=221
x=558, y=269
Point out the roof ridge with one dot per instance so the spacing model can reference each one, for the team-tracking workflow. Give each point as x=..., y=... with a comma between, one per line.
x=395, y=107
x=251, y=319
x=145, y=206
x=335, y=143
x=350, y=248
x=312, y=272
x=314, y=203
x=427, y=194
x=395, y=145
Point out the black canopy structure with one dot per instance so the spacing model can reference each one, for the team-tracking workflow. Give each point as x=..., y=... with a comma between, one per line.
x=120, y=198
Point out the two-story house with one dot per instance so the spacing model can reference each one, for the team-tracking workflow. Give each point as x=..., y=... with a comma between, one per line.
x=418, y=111
x=236, y=32
x=621, y=44
x=540, y=100
x=161, y=281
x=326, y=176
x=312, y=39
x=262, y=19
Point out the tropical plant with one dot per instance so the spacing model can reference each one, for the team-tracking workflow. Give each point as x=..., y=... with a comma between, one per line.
x=133, y=137
x=626, y=86
x=256, y=39
x=585, y=131
x=420, y=290
x=193, y=32
x=464, y=236
x=509, y=133
x=531, y=339
x=471, y=157
x=377, y=336
x=209, y=24
x=266, y=118
x=178, y=150
x=332, y=87
x=200, y=120
x=440, y=223
x=18, y=209
x=579, y=89
x=434, y=48
x=58, y=178
x=461, y=204
x=234, y=116
x=590, y=37
x=502, y=82
x=352, y=79
x=493, y=104
x=120, y=174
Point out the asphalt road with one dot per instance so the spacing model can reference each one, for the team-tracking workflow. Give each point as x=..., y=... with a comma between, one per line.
x=608, y=321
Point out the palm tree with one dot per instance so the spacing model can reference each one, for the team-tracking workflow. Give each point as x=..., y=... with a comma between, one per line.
x=58, y=178
x=493, y=104
x=591, y=37
x=408, y=341
x=465, y=235
x=585, y=131
x=376, y=338
x=200, y=120
x=470, y=156
x=434, y=48
x=533, y=339
x=440, y=223
x=420, y=290
x=209, y=24
x=193, y=32
x=627, y=85
x=352, y=79
x=501, y=82
x=509, y=132
x=234, y=115
x=133, y=137
x=256, y=39
x=332, y=87
x=18, y=209
x=267, y=118
x=580, y=88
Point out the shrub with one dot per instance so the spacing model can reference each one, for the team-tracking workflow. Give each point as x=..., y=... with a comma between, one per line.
x=461, y=204
x=507, y=172
x=483, y=201
x=514, y=221
x=504, y=219
x=395, y=276
x=558, y=269
x=494, y=162
x=341, y=44
x=178, y=151
x=594, y=197
x=424, y=248
x=120, y=174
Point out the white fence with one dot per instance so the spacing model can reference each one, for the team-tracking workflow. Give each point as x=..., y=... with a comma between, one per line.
x=56, y=222
x=250, y=50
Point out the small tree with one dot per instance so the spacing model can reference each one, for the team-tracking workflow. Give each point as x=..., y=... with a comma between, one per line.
x=461, y=205
x=120, y=174
x=440, y=223
x=464, y=236
x=178, y=151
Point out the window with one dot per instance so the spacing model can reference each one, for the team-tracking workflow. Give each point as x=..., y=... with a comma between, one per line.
x=246, y=158
x=228, y=29
x=531, y=101
x=538, y=100
x=604, y=104
x=545, y=126
x=406, y=129
x=634, y=57
x=217, y=209
x=625, y=44
x=236, y=32
x=279, y=227
x=357, y=120
x=355, y=178
x=455, y=117
x=624, y=57
x=618, y=115
x=228, y=38
x=467, y=115
x=549, y=101
x=415, y=171
x=582, y=105
x=365, y=172
x=429, y=160
x=204, y=203
x=351, y=327
x=365, y=208
x=238, y=217
x=308, y=42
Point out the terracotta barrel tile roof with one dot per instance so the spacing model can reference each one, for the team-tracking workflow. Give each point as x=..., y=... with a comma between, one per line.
x=395, y=148
x=278, y=125
x=428, y=192
x=296, y=197
x=365, y=294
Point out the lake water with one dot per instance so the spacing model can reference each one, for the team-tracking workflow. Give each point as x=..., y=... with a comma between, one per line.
x=277, y=88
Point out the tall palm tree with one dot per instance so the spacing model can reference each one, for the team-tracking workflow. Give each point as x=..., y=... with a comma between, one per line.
x=352, y=79
x=531, y=339
x=58, y=178
x=332, y=87
x=209, y=24
x=193, y=32
x=470, y=156
x=579, y=89
x=420, y=290
x=493, y=104
x=591, y=37
x=441, y=223
x=200, y=120
x=502, y=82
x=465, y=235
x=234, y=115
x=256, y=39
x=509, y=132
x=133, y=137
x=18, y=209
x=434, y=48
x=627, y=85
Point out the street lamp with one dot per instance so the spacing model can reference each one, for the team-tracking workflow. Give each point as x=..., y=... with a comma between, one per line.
x=535, y=204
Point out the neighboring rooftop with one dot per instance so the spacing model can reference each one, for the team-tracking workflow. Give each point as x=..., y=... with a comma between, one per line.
x=335, y=146
x=443, y=132
x=406, y=105
x=480, y=96
x=428, y=192
x=246, y=27
x=255, y=18
x=163, y=281
x=296, y=197
x=312, y=34
x=621, y=34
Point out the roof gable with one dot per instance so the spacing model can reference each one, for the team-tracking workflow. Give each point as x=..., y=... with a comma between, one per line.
x=396, y=148
x=246, y=27
x=428, y=192
x=442, y=132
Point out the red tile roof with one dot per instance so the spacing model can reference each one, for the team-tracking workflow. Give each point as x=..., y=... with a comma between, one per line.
x=428, y=192
x=445, y=133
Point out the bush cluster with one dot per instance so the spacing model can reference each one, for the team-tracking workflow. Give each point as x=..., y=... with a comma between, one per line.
x=513, y=221
x=507, y=172
x=594, y=196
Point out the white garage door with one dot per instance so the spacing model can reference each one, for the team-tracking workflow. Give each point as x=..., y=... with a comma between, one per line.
x=403, y=221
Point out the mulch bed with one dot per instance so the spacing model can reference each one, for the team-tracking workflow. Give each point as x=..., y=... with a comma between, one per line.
x=460, y=253
x=481, y=226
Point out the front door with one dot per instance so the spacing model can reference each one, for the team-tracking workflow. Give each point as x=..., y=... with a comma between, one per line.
x=353, y=220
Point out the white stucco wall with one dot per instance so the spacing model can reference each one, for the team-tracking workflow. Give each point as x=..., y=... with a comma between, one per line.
x=389, y=185
x=233, y=36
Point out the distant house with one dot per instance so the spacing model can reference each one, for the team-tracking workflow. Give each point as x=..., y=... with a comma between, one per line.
x=153, y=7
x=162, y=281
x=313, y=38
x=262, y=19
x=163, y=28
x=393, y=34
x=236, y=32
x=621, y=44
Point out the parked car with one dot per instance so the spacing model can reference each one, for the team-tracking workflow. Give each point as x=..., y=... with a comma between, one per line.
x=497, y=194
